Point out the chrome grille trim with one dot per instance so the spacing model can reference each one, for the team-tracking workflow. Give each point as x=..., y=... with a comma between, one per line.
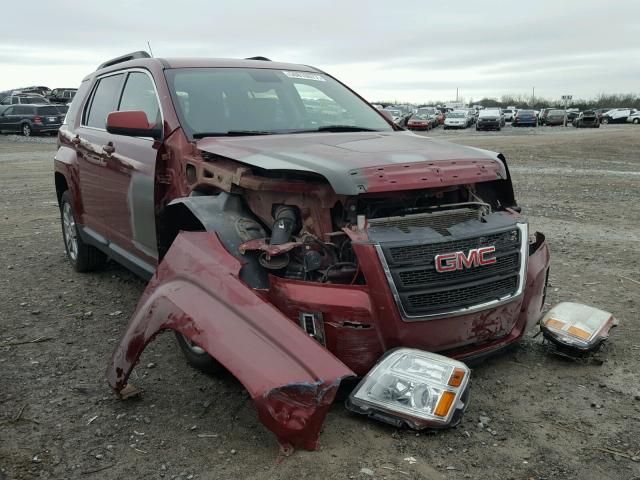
x=522, y=273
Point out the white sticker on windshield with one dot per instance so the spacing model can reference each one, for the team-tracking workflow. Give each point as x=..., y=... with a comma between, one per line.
x=305, y=76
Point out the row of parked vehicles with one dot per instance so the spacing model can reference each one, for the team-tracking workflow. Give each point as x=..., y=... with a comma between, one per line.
x=38, y=95
x=426, y=118
x=34, y=110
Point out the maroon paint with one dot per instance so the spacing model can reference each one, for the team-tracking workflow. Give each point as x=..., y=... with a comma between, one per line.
x=196, y=291
x=443, y=173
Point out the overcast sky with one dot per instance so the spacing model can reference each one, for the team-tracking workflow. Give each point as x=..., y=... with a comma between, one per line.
x=401, y=50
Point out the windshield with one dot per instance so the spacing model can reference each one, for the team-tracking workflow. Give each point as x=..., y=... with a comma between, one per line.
x=489, y=113
x=455, y=115
x=556, y=112
x=525, y=112
x=395, y=113
x=421, y=116
x=220, y=101
x=427, y=111
x=507, y=111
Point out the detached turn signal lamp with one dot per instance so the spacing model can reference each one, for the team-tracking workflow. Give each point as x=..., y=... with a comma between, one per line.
x=413, y=388
x=576, y=329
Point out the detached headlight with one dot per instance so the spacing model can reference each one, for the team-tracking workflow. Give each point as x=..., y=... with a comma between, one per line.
x=414, y=388
x=576, y=329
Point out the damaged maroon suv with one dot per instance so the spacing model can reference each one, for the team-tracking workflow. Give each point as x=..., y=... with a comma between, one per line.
x=295, y=237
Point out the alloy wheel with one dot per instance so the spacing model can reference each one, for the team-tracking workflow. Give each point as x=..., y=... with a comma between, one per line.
x=70, y=232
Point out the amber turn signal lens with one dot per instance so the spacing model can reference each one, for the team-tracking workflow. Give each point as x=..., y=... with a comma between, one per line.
x=553, y=323
x=444, y=405
x=579, y=332
x=456, y=377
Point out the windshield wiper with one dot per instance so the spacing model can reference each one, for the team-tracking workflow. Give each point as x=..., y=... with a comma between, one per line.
x=230, y=133
x=338, y=128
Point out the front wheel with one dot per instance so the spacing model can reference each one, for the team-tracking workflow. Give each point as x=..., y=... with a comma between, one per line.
x=197, y=356
x=83, y=257
x=26, y=130
x=636, y=120
x=605, y=120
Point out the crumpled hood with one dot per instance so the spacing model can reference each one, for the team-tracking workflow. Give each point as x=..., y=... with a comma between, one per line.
x=361, y=162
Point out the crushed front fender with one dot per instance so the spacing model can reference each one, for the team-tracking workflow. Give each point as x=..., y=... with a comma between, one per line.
x=197, y=291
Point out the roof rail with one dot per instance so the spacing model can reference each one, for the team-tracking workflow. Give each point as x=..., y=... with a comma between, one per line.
x=264, y=59
x=124, y=58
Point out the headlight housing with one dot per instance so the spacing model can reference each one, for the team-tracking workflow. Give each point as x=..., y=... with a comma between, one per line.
x=413, y=388
x=576, y=329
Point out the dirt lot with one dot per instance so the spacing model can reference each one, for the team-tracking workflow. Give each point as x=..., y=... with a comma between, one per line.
x=550, y=419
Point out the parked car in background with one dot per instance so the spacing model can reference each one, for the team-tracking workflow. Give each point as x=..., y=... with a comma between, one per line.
x=555, y=117
x=572, y=115
x=434, y=114
x=543, y=115
x=473, y=114
x=601, y=111
x=457, y=119
x=396, y=115
x=634, y=118
x=44, y=91
x=617, y=115
x=525, y=118
x=588, y=118
x=62, y=95
x=508, y=114
x=490, y=119
x=31, y=119
x=421, y=121
x=24, y=98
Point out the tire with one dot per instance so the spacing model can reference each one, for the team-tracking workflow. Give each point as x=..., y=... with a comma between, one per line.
x=499, y=128
x=83, y=257
x=605, y=120
x=26, y=130
x=197, y=357
x=636, y=121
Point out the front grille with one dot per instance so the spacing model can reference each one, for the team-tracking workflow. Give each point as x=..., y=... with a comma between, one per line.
x=453, y=297
x=427, y=276
x=423, y=291
x=425, y=252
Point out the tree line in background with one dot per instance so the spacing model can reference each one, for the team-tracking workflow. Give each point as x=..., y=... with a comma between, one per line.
x=604, y=100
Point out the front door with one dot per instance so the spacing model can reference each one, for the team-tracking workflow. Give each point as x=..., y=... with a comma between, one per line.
x=129, y=212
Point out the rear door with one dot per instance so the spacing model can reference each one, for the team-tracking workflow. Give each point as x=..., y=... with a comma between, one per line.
x=129, y=175
x=92, y=136
x=6, y=119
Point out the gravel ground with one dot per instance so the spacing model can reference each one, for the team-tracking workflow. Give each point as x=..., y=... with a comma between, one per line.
x=546, y=418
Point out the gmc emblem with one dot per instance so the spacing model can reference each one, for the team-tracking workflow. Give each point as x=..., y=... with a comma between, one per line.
x=449, y=262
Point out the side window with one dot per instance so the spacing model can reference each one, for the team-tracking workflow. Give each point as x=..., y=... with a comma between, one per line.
x=104, y=101
x=6, y=101
x=15, y=100
x=20, y=110
x=139, y=94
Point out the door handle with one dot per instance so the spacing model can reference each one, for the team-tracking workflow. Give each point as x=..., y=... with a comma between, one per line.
x=108, y=148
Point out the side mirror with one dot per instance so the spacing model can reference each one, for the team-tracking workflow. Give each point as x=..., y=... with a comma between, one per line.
x=133, y=124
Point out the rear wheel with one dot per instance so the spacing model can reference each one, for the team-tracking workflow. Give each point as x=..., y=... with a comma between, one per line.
x=636, y=120
x=197, y=356
x=83, y=257
x=26, y=130
x=605, y=120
